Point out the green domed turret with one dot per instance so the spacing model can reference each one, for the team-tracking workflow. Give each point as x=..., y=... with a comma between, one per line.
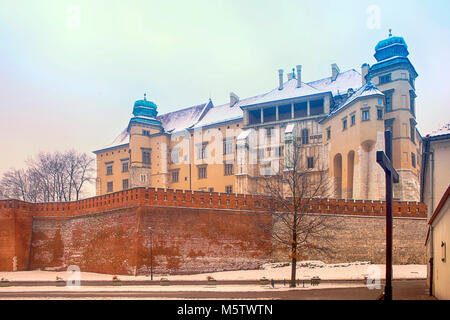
x=145, y=112
x=391, y=47
x=145, y=108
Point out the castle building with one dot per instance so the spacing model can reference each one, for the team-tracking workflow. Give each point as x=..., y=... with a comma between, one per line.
x=339, y=121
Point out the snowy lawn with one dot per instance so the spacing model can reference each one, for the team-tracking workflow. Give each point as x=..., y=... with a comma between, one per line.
x=305, y=270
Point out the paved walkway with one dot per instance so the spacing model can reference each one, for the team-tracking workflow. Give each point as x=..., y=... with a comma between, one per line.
x=402, y=290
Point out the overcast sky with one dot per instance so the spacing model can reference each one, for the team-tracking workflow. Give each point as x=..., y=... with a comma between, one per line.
x=70, y=71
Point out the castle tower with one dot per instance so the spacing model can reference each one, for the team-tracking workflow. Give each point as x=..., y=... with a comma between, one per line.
x=143, y=150
x=395, y=76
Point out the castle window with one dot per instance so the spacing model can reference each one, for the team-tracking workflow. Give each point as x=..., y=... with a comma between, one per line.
x=388, y=99
x=352, y=119
x=316, y=107
x=202, y=172
x=201, y=151
x=413, y=159
x=328, y=133
x=365, y=115
x=146, y=156
x=344, y=124
x=380, y=114
x=125, y=184
x=254, y=116
x=145, y=132
x=284, y=112
x=109, y=169
x=228, y=169
x=227, y=146
x=175, y=155
x=125, y=166
x=143, y=178
x=300, y=110
x=229, y=189
x=385, y=79
x=109, y=186
x=305, y=136
x=210, y=189
x=412, y=102
x=269, y=114
x=175, y=175
x=310, y=162
x=261, y=153
x=412, y=126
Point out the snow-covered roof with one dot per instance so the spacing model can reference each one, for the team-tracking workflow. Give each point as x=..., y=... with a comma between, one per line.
x=369, y=89
x=206, y=114
x=445, y=129
x=122, y=139
x=289, y=91
x=344, y=81
x=222, y=113
x=185, y=118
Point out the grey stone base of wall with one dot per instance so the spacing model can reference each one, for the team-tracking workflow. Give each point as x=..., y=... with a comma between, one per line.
x=360, y=238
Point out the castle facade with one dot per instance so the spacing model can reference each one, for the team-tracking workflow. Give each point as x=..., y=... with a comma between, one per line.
x=339, y=122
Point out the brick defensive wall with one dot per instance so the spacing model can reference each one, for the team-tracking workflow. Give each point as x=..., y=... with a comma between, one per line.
x=191, y=232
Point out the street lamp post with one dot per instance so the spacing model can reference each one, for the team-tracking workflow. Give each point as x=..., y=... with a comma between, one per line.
x=151, y=252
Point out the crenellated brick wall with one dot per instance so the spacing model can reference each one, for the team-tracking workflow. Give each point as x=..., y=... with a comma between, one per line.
x=198, y=199
x=192, y=232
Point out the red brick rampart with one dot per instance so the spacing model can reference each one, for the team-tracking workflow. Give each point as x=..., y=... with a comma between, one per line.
x=198, y=199
x=192, y=231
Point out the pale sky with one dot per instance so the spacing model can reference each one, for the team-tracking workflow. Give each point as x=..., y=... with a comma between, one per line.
x=70, y=71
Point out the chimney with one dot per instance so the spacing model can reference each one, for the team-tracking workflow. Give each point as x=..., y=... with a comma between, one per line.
x=334, y=71
x=364, y=73
x=350, y=92
x=233, y=99
x=299, y=76
x=280, y=77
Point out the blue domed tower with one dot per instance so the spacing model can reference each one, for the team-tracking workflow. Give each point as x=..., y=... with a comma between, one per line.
x=145, y=113
x=146, y=132
x=395, y=76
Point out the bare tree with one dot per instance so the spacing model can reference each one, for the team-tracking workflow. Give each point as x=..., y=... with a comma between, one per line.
x=15, y=184
x=80, y=171
x=50, y=177
x=291, y=192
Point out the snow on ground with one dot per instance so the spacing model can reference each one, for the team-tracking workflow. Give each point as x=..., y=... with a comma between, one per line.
x=278, y=271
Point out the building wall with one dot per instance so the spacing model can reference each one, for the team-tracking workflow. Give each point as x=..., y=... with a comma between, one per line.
x=441, y=270
x=436, y=179
x=441, y=176
x=193, y=231
x=215, y=160
x=403, y=146
x=114, y=155
x=354, y=149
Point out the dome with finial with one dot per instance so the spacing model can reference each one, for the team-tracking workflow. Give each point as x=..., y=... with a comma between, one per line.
x=145, y=113
x=145, y=108
x=391, y=47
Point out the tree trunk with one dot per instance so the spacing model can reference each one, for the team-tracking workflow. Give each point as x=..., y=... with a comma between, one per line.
x=293, y=263
x=294, y=248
